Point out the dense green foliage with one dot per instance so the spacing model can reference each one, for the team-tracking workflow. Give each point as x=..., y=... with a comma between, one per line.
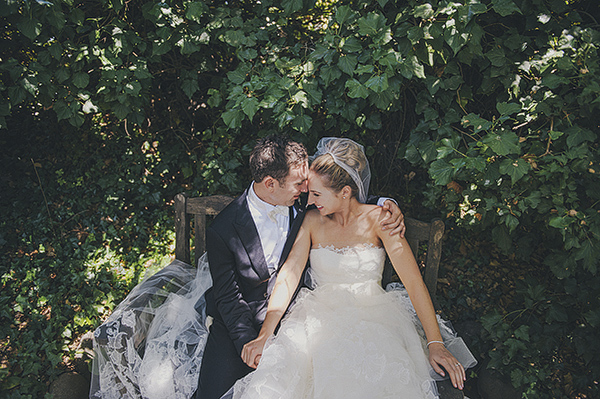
x=109, y=108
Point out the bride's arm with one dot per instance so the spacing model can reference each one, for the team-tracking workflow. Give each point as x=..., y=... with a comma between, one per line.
x=283, y=290
x=406, y=266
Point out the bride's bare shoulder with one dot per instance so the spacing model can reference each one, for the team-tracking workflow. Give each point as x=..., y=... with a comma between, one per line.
x=372, y=211
x=374, y=214
x=312, y=216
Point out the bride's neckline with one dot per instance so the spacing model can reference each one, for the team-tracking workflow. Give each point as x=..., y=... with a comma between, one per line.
x=348, y=248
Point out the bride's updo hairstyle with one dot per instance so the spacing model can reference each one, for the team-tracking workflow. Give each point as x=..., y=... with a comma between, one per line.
x=342, y=162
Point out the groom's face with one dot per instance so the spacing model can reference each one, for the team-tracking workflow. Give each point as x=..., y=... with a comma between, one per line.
x=287, y=192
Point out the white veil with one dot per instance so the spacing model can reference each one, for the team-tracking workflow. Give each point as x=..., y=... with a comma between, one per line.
x=152, y=345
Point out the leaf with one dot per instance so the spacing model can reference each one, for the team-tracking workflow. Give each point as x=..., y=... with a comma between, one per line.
x=62, y=110
x=121, y=110
x=81, y=80
x=593, y=317
x=250, y=106
x=330, y=73
x=314, y=94
x=237, y=76
x=377, y=83
x=233, y=118
x=291, y=6
x=343, y=14
x=195, y=10
x=503, y=143
x=319, y=52
x=189, y=87
x=455, y=39
x=522, y=333
x=160, y=48
x=577, y=135
x=30, y=27
x=347, y=63
x=560, y=222
x=552, y=81
x=415, y=34
x=301, y=98
x=215, y=98
x=515, y=169
x=234, y=38
x=508, y=108
x=441, y=172
x=424, y=11
x=411, y=66
x=302, y=123
x=188, y=46
x=561, y=264
x=352, y=45
x=373, y=122
x=371, y=24
x=588, y=255
x=496, y=57
x=505, y=7
x=446, y=148
x=364, y=69
x=467, y=12
x=382, y=100
x=477, y=122
x=356, y=89
x=510, y=221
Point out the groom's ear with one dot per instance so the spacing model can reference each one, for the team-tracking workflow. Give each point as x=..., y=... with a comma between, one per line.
x=269, y=183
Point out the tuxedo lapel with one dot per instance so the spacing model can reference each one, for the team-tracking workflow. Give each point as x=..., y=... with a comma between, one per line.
x=246, y=229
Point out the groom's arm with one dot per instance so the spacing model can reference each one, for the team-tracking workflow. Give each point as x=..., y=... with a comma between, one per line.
x=231, y=305
x=395, y=219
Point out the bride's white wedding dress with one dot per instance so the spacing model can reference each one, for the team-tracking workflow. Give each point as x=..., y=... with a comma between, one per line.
x=347, y=338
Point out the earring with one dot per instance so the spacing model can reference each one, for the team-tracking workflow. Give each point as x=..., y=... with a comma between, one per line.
x=344, y=197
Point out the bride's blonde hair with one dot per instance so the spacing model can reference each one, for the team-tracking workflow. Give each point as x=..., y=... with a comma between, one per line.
x=347, y=152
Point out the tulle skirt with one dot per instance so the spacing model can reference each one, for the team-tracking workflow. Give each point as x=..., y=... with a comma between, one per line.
x=339, y=344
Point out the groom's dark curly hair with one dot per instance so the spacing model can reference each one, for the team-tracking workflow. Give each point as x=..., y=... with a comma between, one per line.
x=274, y=156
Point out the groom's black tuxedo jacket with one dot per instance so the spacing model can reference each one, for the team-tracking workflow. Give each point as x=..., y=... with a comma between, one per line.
x=241, y=278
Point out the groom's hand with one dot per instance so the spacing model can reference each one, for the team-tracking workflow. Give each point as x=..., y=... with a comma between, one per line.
x=394, y=220
x=252, y=352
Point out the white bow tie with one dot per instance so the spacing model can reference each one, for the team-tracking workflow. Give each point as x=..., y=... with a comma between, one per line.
x=278, y=210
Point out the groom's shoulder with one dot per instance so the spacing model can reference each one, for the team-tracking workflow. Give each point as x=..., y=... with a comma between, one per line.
x=230, y=214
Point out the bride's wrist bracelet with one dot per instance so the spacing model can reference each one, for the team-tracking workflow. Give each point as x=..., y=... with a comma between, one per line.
x=435, y=342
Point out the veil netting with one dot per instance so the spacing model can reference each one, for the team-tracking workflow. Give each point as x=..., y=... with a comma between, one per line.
x=152, y=344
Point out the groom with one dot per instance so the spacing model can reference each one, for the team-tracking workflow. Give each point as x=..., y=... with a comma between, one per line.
x=246, y=244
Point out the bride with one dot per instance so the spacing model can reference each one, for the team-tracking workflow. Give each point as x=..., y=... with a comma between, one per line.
x=347, y=338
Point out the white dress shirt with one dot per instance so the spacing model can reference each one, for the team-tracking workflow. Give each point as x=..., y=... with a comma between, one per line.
x=272, y=223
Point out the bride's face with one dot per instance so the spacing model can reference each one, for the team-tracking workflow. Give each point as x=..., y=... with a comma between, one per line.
x=323, y=197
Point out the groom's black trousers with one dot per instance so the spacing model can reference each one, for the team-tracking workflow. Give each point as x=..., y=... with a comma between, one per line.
x=222, y=366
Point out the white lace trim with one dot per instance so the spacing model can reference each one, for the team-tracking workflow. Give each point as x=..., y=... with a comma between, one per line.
x=349, y=249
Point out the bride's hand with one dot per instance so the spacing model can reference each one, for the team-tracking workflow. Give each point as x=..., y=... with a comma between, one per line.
x=252, y=352
x=440, y=357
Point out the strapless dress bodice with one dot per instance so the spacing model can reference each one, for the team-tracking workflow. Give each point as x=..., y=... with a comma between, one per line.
x=348, y=266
